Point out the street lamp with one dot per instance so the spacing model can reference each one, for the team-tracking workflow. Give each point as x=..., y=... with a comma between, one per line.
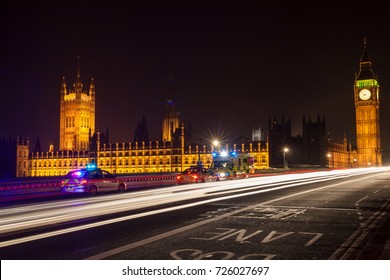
x=285, y=163
x=328, y=155
x=215, y=145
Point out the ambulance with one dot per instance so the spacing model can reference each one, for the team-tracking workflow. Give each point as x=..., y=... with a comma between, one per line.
x=232, y=165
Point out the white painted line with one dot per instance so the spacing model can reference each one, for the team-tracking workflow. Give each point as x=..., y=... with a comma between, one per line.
x=355, y=240
x=159, y=211
x=173, y=232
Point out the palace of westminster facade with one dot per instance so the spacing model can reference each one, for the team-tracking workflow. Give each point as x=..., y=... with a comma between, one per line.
x=81, y=144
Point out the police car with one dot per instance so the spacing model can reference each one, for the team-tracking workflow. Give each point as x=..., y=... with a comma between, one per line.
x=92, y=181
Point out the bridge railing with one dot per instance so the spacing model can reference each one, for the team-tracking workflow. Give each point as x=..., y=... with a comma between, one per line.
x=30, y=185
x=150, y=180
x=54, y=184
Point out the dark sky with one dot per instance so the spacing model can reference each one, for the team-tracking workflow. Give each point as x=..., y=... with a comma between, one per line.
x=228, y=67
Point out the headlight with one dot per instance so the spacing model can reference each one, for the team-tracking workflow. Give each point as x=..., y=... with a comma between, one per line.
x=222, y=174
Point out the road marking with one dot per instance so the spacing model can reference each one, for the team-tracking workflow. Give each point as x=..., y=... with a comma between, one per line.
x=273, y=213
x=314, y=239
x=359, y=211
x=196, y=254
x=204, y=222
x=240, y=236
x=381, y=189
x=356, y=239
x=274, y=235
x=159, y=211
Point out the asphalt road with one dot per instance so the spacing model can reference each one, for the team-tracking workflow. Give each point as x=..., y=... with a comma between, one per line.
x=323, y=215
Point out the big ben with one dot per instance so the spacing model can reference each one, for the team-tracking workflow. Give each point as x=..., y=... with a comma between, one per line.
x=366, y=95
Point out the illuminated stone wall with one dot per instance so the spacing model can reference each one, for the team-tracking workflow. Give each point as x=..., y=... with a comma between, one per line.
x=131, y=158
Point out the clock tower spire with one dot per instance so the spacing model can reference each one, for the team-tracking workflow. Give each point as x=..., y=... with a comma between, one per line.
x=366, y=96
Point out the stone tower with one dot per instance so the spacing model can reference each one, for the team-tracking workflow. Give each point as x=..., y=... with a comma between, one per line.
x=366, y=96
x=77, y=115
x=170, y=123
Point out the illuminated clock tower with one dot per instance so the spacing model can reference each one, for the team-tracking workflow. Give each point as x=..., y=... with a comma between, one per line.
x=366, y=95
x=77, y=115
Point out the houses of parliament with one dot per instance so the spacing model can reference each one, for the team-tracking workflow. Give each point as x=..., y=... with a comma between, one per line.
x=81, y=143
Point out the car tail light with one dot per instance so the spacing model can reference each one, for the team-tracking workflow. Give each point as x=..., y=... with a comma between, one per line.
x=84, y=181
x=194, y=176
x=62, y=182
x=178, y=177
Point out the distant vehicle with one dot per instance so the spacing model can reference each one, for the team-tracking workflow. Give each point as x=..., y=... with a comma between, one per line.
x=196, y=174
x=232, y=165
x=92, y=181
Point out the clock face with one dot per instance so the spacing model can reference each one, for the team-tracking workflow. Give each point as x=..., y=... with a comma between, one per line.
x=364, y=94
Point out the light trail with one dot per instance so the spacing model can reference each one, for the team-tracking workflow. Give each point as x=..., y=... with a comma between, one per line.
x=32, y=216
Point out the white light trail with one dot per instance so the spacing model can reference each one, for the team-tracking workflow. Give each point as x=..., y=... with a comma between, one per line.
x=40, y=215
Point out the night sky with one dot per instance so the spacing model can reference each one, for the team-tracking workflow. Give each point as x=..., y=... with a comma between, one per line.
x=229, y=68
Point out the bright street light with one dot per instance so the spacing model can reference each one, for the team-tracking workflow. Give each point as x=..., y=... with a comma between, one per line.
x=285, y=163
x=215, y=145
